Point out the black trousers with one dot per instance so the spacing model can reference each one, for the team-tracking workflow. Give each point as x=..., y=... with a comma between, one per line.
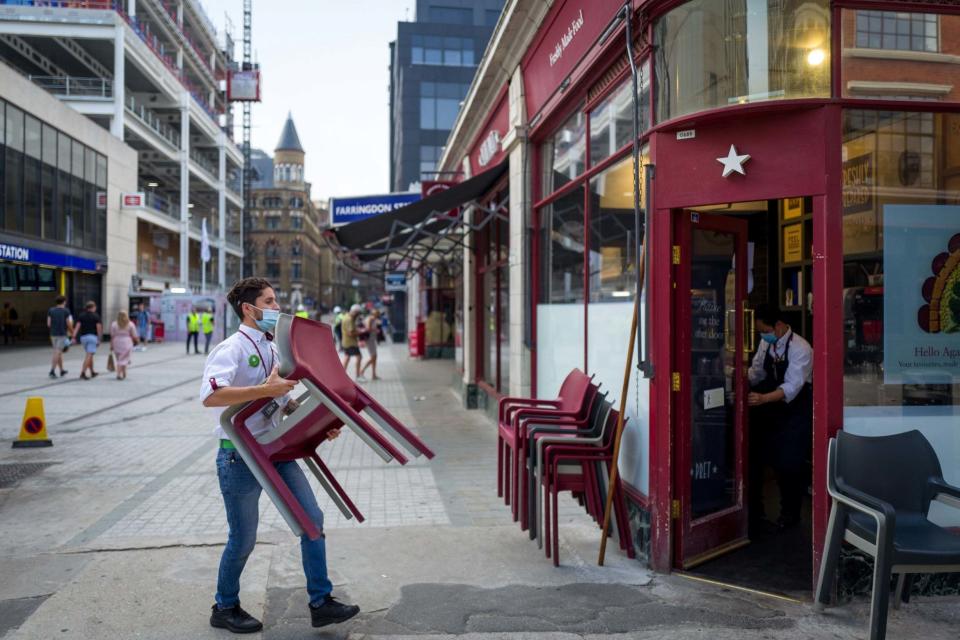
x=780, y=436
x=206, y=342
x=193, y=335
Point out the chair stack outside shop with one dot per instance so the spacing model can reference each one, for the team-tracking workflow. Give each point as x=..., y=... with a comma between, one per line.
x=547, y=447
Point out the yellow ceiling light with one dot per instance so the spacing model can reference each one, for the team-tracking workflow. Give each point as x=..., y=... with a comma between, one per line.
x=815, y=57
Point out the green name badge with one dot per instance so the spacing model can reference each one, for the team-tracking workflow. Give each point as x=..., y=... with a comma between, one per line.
x=254, y=360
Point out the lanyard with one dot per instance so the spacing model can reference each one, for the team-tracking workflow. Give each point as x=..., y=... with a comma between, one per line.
x=262, y=362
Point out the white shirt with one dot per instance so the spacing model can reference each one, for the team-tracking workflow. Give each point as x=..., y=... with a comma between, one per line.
x=245, y=359
x=799, y=365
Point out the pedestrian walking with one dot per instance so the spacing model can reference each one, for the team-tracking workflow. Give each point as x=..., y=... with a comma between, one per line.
x=350, y=340
x=374, y=332
x=123, y=335
x=206, y=321
x=337, y=326
x=88, y=332
x=60, y=325
x=241, y=369
x=143, y=324
x=302, y=312
x=193, y=330
x=10, y=319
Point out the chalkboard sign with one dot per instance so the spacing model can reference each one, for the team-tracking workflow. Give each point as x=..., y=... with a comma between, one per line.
x=706, y=319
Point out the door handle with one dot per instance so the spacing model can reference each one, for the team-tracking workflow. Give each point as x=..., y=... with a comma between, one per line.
x=729, y=338
x=748, y=321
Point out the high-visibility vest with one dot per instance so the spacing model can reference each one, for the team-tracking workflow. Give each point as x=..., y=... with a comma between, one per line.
x=302, y=314
x=193, y=323
x=207, y=320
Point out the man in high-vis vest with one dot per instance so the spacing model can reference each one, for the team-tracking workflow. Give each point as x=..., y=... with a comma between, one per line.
x=206, y=321
x=302, y=312
x=193, y=330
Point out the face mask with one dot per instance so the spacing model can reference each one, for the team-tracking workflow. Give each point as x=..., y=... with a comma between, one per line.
x=268, y=320
x=770, y=338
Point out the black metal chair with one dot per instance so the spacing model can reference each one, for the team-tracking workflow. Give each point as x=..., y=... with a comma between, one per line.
x=881, y=489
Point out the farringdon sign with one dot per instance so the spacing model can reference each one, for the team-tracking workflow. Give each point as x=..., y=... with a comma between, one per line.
x=347, y=210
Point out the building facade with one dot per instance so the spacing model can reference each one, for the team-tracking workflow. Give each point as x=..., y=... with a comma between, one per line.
x=796, y=154
x=284, y=242
x=151, y=73
x=63, y=232
x=432, y=62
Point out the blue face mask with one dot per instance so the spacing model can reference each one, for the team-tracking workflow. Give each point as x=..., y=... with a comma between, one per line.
x=770, y=338
x=268, y=319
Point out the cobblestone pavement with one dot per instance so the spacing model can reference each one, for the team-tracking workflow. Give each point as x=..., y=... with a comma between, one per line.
x=120, y=534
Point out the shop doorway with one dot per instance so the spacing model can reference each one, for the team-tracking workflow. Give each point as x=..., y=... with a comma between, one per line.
x=728, y=261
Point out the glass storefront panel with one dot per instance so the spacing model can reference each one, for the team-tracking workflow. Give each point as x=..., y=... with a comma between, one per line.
x=715, y=53
x=564, y=155
x=900, y=55
x=901, y=296
x=611, y=121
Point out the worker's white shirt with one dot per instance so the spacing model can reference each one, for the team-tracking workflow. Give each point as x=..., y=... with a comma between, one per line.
x=245, y=359
x=799, y=367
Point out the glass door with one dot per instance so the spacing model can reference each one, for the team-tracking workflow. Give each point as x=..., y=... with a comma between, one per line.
x=709, y=386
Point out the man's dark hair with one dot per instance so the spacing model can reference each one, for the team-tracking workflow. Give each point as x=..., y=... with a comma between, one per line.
x=59, y=300
x=90, y=306
x=768, y=314
x=246, y=290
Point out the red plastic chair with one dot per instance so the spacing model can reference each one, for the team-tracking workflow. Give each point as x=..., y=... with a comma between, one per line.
x=308, y=354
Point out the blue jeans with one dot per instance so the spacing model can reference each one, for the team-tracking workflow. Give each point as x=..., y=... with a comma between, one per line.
x=241, y=497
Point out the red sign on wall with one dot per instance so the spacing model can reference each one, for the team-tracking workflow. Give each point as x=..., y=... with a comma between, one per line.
x=487, y=150
x=570, y=30
x=433, y=187
x=133, y=199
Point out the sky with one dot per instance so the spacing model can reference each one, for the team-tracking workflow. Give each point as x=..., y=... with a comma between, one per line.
x=327, y=62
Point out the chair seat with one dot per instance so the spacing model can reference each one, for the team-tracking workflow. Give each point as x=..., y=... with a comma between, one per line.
x=916, y=540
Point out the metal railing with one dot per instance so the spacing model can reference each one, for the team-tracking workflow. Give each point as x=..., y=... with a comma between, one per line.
x=71, y=87
x=204, y=162
x=158, y=203
x=153, y=121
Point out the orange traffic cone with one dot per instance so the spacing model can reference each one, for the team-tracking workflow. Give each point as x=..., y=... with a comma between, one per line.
x=33, y=429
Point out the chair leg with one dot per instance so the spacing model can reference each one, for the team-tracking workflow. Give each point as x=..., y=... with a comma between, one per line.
x=545, y=534
x=507, y=468
x=831, y=557
x=881, y=595
x=907, y=585
x=499, y=465
x=556, y=527
x=898, y=593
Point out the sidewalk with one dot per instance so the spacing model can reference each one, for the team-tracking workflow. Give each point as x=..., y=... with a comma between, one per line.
x=120, y=534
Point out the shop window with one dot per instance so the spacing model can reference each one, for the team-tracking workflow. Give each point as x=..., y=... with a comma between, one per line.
x=564, y=155
x=714, y=54
x=439, y=104
x=897, y=30
x=611, y=122
x=901, y=295
x=493, y=286
x=898, y=55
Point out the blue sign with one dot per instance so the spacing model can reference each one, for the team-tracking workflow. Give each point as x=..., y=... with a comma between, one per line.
x=45, y=258
x=347, y=210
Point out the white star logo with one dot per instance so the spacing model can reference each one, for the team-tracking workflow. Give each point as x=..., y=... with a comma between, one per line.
x=733, y=162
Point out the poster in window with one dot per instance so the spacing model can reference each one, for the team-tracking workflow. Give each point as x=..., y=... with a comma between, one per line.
x=921, y=302
x=792, y=208
x=793, y=243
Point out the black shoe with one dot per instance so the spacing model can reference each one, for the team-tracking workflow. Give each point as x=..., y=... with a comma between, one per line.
x=234, y=619
x=63, y=372
x=787, y=522
x=332, y=612
x=52, y=374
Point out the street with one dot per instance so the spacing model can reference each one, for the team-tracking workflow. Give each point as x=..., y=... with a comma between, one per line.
x=116, y=530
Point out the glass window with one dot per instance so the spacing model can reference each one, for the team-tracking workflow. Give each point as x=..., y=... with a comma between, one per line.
x=896, y=55
x=271, y=223
x=901, y=296
x=8, y=277
x=611, y=122
x=897, y=30
x=440, y=103
x=429, y=155
x=433, y=51
x=296, y=271
x=101, y=171
x=296, y=222
x=416, y=49
x=564, y=155
x=450, y=15
x=713, y=54
x=49, y=145
x=452, y=55
x=32, y=131
x=2, y=120
x=562, y=248
x=14, y=136
x=13, y=170
x=31, y=176
x=491, y=17
x=612, y=234
x=273, y=270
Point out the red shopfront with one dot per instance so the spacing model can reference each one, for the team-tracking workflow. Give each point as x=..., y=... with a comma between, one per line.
x=802, y=175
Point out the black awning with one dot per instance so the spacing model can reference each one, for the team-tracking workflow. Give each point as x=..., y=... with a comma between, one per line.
x=377, y=232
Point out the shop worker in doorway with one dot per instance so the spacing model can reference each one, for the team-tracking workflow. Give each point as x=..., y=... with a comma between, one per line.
x=781, y=415
x=243, y=368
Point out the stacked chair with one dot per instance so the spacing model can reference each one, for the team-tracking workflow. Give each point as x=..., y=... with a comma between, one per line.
x=332, y=400
x=549, y=446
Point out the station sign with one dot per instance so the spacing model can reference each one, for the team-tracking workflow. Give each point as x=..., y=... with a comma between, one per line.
x=29, y=255
x=347, y=210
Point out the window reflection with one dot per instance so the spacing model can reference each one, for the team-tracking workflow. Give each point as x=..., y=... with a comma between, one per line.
x=899, y=55
x=714, y=53
x=564, y=155
x=563, y=247
x=611, y=122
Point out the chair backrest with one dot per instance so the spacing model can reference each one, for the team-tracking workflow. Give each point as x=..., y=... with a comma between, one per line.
x=573, y=391
x=895, y=468
x=314, y=353
x=281, y=338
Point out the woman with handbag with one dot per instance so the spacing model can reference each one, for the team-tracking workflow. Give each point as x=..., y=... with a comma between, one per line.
x=373, y=335
x=123, y=335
